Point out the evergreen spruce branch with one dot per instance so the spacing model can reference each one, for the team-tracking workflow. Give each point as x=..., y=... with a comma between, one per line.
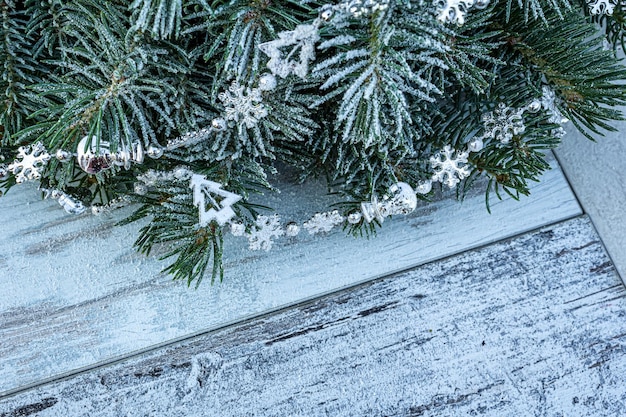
x=569, y=54
x=161, y=18
x=537, y=10
x=19, y=69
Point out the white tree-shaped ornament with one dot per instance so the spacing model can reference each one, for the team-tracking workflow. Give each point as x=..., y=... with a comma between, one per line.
x=30, y=161
x=301, y=39
x=209, y=194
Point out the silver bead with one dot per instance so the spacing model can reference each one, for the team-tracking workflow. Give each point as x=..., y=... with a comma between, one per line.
x=89, y=161
x=327, y=13
x=267, y=82
x=63, y=156
x=424, y=187
x=481, y=4
x=237, y=229
x=475, y=145
x=218, y=123
x=354, y=218
x=534, y=106
x=292, y=229
x=97, y=210
x=154, y=152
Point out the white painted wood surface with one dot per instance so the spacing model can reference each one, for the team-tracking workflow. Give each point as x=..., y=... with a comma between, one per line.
x=533, y=326
x=75, y=293
x=597, y=173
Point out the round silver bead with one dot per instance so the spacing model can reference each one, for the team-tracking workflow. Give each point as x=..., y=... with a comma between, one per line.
x=354, y=218
x=481, y=4
x=534, y=106
x=218, y=123
x=63, y=156
x=475, y=145
x=154, y=152
x=267, y=82
x=292, y=229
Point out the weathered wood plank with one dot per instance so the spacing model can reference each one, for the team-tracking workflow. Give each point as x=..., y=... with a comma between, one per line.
x=597, y=172
x=531, y=326
x=75, y=293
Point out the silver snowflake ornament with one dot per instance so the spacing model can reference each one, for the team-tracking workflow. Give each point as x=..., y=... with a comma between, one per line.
x=266, y=228
x=302, y=38
x=214, y=203
x=450, y=166
x=323, y=222
x=30, y=162
x=503, y=123
x=598, y=7
x=243, y=105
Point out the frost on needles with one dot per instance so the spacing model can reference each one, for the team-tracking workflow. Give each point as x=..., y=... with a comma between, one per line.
x=183, y=107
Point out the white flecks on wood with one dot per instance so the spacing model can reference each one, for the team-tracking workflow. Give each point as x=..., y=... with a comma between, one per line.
x=74, y=293
x=597, y=172
x=526, y=327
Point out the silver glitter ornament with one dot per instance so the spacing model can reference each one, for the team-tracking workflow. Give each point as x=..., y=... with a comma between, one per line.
x=404, y=200
x=93, y=161
x=424, y=187
x=154, y=152
x=292, y=229
x=354, y=218
x=63, y=156
x=218, y=123
x=267, y=82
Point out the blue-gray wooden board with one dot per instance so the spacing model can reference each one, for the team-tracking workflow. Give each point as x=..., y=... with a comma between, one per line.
x=75, y=294
x=533, y=326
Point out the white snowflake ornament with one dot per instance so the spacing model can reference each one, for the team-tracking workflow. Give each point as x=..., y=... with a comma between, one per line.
x=30, y=162
x=503, y=123
x=243, y=105
x=450, y=166
x=323, y=222
x=598, y=7
x=302, y=38
x=214, y=203
x=267, y=227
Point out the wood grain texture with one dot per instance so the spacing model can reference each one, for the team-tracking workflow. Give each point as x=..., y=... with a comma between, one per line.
x=597, y=172
x=75, y=293
x=533, y=326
